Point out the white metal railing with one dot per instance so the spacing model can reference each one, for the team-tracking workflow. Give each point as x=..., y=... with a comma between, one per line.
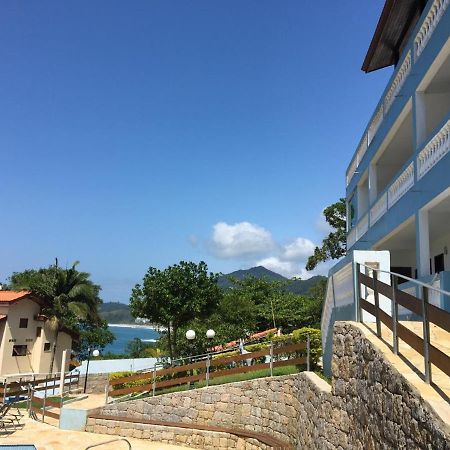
x=378, y=209
x=398, y=82
x=351, y=237
x=434, y=151
x=429, y=24
x=401, y=185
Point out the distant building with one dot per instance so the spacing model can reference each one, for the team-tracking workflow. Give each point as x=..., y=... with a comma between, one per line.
x=26, y=340
x=398, y=180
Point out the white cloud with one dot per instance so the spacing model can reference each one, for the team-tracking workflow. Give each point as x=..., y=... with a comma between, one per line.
x=274, y=263
x=298, y=250
x=245, y=241
x=239, y=240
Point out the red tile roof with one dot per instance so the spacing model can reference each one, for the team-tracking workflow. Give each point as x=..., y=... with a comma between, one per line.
x=3, y=316
x=12, y=296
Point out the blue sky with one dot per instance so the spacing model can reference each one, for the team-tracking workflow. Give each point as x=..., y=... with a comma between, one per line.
x=142, y=133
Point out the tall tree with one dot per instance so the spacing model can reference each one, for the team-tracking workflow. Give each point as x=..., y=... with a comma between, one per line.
x=174, y=296
x=334, y=245
x=70, y=297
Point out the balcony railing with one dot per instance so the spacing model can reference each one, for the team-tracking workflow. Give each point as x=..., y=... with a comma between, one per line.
x=434, y=151
x=401, y=185
x=429, y=24
x=428, y=157
x=421, y=39
x=378, y=209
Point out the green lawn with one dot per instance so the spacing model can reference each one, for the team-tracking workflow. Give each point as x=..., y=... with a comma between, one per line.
x=23, y=404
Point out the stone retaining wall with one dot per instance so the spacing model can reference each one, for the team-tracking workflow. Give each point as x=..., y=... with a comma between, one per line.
x=370, y=405
x=177, y=436
x=96, y=383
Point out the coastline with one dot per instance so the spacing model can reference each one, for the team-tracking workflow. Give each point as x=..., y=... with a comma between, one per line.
x=136, y=325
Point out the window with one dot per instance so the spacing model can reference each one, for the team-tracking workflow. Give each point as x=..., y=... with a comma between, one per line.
x=47, y=347
x=38, y=331
x=439, y=263
x=19, y=350
x=23, y=323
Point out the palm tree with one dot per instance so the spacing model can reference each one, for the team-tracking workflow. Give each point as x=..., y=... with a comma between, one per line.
x=70, y=297
x=74, y=298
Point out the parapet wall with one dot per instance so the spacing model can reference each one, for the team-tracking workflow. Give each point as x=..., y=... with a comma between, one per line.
x=370, y=405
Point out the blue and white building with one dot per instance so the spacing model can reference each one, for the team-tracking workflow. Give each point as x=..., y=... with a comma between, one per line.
x=398, y=180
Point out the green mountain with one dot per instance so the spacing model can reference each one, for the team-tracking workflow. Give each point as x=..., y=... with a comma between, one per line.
x=297, y=286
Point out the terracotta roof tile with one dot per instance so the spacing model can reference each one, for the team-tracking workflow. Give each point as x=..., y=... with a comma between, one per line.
x=12, y=296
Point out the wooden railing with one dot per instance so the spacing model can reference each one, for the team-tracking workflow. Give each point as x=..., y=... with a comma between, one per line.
x=212, y=368
x=40, y=406
x=46, y=383
x=420, y=306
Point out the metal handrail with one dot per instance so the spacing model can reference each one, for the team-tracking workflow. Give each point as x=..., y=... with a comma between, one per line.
x=109, y=442
x=421, y=283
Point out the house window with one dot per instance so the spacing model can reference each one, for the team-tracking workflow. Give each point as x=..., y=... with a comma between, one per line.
x=38, y=331
x=23, y=323
x=47, y=347
x=19, y=350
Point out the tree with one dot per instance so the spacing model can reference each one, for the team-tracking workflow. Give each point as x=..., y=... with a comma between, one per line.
x=135, y=348
x=334, y=245
x=69, y=295
x=175, y=296
x=93, y=336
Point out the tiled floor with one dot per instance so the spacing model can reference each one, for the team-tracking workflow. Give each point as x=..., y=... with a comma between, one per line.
x=48, y=437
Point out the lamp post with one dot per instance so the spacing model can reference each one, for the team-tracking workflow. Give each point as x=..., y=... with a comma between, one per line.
x=95, y=353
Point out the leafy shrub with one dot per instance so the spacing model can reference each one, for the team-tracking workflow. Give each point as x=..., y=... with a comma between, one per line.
x=301, y=335
x=115, y=375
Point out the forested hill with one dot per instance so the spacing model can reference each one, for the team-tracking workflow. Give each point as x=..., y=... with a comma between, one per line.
x=297, y=286
x=115, y=312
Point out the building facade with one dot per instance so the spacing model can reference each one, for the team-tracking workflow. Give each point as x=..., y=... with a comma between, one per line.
x=26, y=340
x=398, y=180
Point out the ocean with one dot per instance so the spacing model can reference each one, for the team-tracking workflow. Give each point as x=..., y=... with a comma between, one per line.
x=125, y=333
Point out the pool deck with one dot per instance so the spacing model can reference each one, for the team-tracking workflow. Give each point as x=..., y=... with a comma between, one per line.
x=48, y=437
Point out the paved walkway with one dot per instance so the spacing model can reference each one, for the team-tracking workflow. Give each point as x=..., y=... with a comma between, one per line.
x=437, y=394
x=47, y=437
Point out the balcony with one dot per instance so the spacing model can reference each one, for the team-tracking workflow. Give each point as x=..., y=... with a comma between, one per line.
x=403, y=70
x=433, y=151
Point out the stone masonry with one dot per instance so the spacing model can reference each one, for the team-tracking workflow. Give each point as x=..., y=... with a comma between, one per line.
x=96, y=383
x=369, y=406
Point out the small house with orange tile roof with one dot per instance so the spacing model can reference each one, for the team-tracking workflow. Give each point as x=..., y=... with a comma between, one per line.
x=26, y=339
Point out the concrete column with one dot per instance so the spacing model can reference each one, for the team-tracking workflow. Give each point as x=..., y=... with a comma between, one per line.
x=420, y=120
x=423, y=243
x=63, y=370
x=373, y=189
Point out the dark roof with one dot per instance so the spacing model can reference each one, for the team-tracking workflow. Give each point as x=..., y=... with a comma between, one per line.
x=396, y=22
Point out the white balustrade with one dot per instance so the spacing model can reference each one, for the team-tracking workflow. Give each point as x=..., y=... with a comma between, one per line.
x=351, y=237
x=352, y=170
x=434, y=151
x=363, y=226
x=429, y=24
x=378, y=209
x=398, y=82
x=401, y=185
x=375, y=124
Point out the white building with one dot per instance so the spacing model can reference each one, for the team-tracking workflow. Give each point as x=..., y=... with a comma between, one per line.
x=398, y=180
x=26, y=340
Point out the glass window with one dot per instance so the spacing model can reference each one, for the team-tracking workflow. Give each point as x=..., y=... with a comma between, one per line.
x=23, y=323
x=47, y=347
x=19, y=350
